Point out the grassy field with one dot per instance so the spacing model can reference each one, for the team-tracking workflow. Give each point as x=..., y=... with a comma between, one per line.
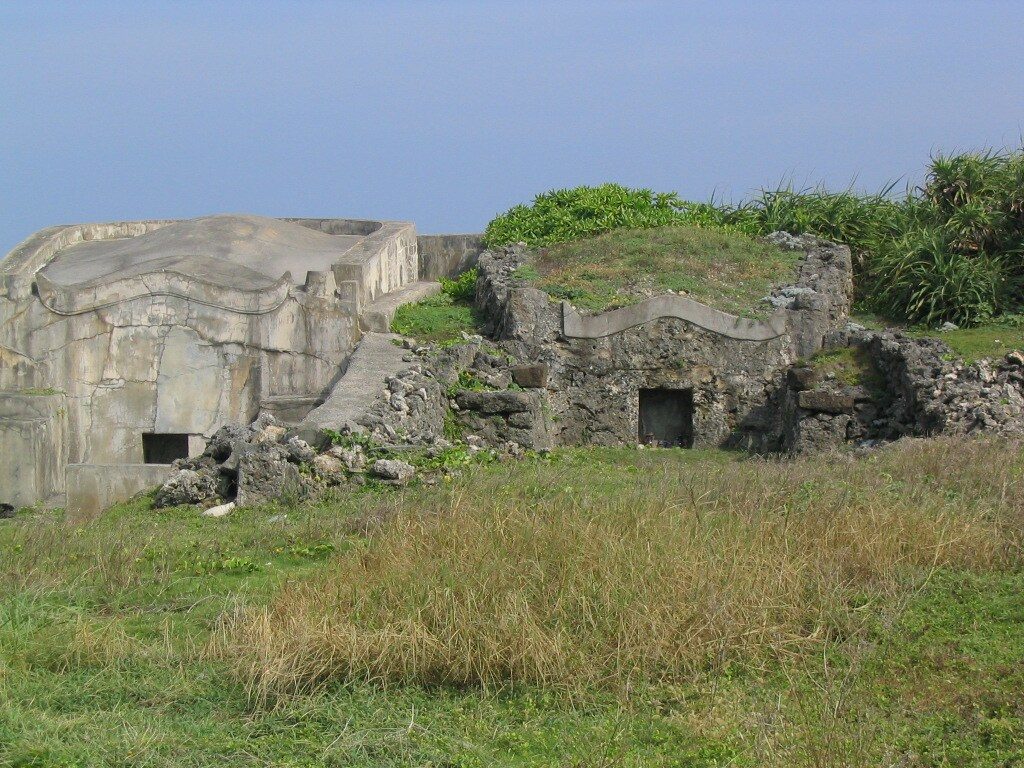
x=727, y=270
x=598, y=608
x=991, y=340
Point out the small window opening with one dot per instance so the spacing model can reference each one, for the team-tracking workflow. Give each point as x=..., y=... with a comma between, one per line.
x=666, y=417
x=163, y=448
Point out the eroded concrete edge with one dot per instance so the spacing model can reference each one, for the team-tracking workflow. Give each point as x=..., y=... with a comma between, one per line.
x=577, y=326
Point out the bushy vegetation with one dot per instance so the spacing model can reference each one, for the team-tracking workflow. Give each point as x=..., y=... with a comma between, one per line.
x=653, y=608
x=726, y=270
x=564, y=215
x=444, y=317
x=949, y=250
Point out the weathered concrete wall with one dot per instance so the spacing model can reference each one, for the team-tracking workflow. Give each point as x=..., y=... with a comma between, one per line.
x=447, y=255
x=92, y=487
x=170, y=365
x=33, y=448
x=382, y=262
x=168, y=351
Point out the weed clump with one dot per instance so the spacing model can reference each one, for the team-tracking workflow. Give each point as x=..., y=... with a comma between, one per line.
x=444, y=317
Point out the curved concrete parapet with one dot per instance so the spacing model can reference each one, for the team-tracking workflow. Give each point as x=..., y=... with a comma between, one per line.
x=76, y=300
x=577, y=326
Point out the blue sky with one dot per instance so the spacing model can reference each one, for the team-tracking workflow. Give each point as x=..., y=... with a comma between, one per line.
x=446, y=113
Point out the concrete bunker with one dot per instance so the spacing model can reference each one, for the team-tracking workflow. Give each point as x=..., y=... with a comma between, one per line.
x=666, y=417
x=125, y=346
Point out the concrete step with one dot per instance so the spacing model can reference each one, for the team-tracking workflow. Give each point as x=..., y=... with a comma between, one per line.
x=377, y=315
x=378, y=355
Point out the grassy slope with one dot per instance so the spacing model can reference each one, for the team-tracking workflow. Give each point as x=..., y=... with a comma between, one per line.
x=728, y=271
x=105, y=629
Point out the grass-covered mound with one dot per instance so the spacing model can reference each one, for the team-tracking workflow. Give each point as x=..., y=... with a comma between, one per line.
x=951, y=249
x=726, y=270
x=653, y=608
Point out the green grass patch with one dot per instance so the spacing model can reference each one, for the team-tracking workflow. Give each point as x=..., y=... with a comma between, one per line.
x=726, y=270
x=437, y=319
x=444, y=317
x=989, y=341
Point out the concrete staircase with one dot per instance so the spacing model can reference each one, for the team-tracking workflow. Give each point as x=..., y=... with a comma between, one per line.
x=377, y=356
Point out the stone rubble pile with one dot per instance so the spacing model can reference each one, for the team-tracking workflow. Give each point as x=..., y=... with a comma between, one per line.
x=471, y=388
x=259, y=463
x=922, y=390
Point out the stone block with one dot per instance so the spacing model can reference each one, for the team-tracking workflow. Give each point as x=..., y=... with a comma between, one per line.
x=393, y=471
x=500, y=401
x=33, y=447
x=825, y=401
x=92, y=487
x=533, y=375
x=265, y=474
x=801, y=378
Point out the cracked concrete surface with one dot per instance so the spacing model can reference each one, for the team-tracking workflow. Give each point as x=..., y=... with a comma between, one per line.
x=175, y=327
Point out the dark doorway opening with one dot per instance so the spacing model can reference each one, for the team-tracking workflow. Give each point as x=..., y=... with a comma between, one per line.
x=163, y=448
x=666, y=417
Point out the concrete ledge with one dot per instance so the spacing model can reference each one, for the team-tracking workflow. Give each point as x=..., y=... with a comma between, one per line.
x=577, y=326
x=94, y=487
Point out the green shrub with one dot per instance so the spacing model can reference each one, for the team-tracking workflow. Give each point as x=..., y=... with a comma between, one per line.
x=951, y=249
x=563, y=215
x=922, y=278
x=948, y=250
x=462, y=288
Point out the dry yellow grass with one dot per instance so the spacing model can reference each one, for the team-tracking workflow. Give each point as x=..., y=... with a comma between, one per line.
x=567, y=579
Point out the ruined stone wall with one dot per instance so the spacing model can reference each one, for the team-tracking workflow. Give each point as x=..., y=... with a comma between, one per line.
x=594, y=383
x=918, y=388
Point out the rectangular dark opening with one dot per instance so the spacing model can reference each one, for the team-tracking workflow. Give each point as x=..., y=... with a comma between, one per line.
x=163, y=448
x=666, y=417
